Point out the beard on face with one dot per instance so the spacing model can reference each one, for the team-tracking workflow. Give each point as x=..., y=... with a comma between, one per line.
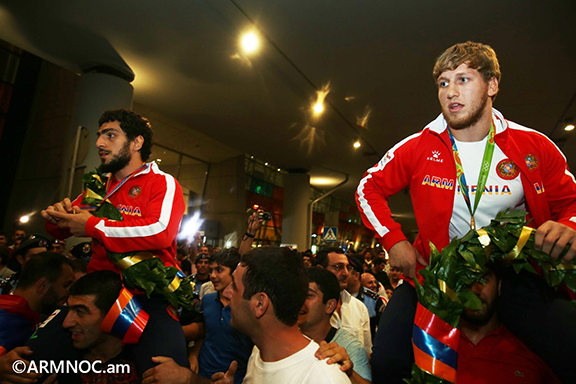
x=50, y=302
x=481, y=317
x=467, y=121
x=119, y=161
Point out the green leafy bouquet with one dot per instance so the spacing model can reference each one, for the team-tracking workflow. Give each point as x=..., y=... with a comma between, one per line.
x=443, y=287
x=140, y=270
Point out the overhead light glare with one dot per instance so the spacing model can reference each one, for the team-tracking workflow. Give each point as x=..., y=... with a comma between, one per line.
x=357, y=144
x=318, y=106
x=569, y=127
x=25, y=219
x=250, y=43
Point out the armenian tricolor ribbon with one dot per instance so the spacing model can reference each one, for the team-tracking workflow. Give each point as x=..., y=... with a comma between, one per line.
x=435, y=344
x=125, y=319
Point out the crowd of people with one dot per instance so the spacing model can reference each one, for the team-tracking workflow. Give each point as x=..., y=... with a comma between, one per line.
x=275, y=315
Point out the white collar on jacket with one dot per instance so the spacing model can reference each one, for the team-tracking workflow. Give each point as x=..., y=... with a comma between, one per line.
x=439, y=124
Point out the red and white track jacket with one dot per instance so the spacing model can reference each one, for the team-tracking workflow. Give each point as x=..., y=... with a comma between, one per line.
x=152, y=205
x=425, y=163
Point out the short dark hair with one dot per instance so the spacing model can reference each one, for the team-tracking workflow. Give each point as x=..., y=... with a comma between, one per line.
x=49, y=265
x=228, y=257
x=133, y=126
x=79, y=265
x=378, y=260
x=326, y=281
x=322, y=256
x=104, y=285
x=279, y=273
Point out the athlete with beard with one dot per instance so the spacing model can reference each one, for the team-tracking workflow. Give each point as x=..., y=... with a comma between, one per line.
x=490, y=353
x=471, y=147
x=152, y=206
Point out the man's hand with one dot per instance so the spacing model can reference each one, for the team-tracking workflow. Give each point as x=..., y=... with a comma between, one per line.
x=551, y=238
x=336, y=354
x=75, y=222
x=404, y=256
x=7, y=363
x=167, y=372
x=254, y=223
x=64, y=206
x=193, y=360
x=228, y=377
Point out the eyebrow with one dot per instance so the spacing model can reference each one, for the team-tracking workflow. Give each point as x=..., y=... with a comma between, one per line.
x=106, y=130
x=80, y=307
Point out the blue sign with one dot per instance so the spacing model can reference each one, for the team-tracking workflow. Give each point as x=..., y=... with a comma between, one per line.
x=330, y=233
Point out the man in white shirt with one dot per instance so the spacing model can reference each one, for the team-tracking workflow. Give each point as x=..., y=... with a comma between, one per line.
x=267, y=292
x=351, y=314
x=268, y=289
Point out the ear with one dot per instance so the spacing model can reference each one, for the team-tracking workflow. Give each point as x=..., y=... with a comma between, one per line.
x=260, y=303
x=137, y=143
x=492, y=87
x=42, y=285
x=20, y=259
x=331, y=306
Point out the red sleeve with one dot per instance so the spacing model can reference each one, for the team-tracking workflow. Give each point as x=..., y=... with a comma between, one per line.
x=560, y=187
x=61, y=233
x=388, y=177
x=157, y=230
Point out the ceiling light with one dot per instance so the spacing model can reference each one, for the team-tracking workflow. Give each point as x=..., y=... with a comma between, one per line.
x=266, y=164
x=250, y=43
x=24, y=219
x=569, y=127
x=278, y=169
x=569, y=124
x=318, y=106
x=357, y=144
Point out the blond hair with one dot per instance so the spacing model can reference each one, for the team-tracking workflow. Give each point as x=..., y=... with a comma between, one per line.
x=476, y=55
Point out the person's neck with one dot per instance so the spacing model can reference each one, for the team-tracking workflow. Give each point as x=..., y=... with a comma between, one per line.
x=353, y=288
x=132, y=166
x=319, y=331
x=202, y=276
x=476, y=132
x=475, y=333
x=225, y=301
x=279, y=342
x=110, y=347
x=33, y=299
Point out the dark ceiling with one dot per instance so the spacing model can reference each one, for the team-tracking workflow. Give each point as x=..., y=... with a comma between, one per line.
x=376, y=56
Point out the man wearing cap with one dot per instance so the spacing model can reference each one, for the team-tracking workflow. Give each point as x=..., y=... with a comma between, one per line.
x=82, y=251
x=58, y=246
x=30, y=246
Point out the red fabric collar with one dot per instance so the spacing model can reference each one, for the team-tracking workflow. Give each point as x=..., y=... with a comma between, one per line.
x=18, y=305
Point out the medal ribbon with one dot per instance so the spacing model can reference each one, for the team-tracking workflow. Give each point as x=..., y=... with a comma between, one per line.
x=88, y=193
x=121, y=183
x=482, y=178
